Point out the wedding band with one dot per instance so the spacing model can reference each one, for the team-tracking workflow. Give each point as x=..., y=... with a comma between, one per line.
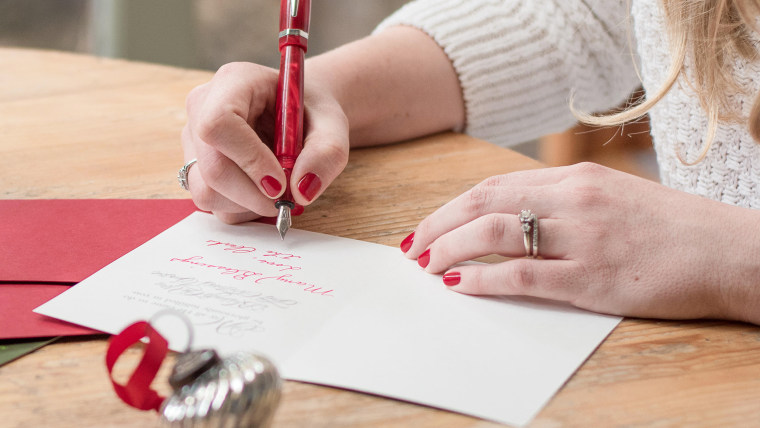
x=529, y=225
x=182, y=174
x=535, y=237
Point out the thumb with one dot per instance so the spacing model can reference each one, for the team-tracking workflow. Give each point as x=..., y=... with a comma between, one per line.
x=323, y=158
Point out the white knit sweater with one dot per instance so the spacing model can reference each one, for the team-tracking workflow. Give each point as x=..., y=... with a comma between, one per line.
x=518, y=62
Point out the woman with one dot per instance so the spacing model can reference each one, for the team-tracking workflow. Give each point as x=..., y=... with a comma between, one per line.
x=504, y=71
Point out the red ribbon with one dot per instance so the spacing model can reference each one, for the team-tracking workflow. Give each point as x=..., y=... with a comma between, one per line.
x=137, y=392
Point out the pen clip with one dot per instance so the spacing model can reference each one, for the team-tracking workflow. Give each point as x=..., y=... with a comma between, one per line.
x=293, y=8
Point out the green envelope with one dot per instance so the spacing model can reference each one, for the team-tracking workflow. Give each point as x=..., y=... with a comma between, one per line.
x=9, y=351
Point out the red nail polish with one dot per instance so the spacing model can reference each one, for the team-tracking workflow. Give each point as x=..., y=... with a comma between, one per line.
x=309, y=185
x=424, y=259
x=271, y=186
x=406, y=244
x=452, y=278
x=297, y=210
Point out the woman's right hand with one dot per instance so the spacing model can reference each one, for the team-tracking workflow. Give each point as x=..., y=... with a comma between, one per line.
x=230, y=130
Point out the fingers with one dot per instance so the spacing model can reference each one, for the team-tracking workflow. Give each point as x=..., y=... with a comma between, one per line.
x=231, y=104
x=224, y=177
x=536, y=190
x=236, y=175
x=506, y=194
x=235, y=218
x=236, y=170
x=490, y=234
x=230, y=122
x=218, y=185
x=548, y=279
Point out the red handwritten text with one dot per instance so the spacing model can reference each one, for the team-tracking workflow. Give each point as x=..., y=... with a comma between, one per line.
x=279, y=255
x=283, y=266
x=269, y=254
x=258, y=278
x=237, y=249
x=236, y=273
x=288, y=279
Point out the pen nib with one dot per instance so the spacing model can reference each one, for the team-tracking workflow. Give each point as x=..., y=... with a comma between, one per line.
x=283, y=220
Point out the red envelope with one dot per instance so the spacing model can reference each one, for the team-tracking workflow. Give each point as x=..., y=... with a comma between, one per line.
x=17, y=321
x=47, y=245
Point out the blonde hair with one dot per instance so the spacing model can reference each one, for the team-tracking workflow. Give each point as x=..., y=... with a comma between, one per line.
x=711, y=33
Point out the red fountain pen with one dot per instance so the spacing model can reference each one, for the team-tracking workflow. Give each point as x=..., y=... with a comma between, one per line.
x=288, y=131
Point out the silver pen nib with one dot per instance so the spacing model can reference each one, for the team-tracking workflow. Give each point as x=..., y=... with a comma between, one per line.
x=283, y=218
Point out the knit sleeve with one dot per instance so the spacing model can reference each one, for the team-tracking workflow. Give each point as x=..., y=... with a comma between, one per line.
x=518, y=61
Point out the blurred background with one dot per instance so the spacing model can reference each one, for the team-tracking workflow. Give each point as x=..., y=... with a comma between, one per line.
x=189, y=33
x=206, y=34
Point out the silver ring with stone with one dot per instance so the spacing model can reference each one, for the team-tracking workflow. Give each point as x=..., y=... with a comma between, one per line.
x=529, y=226
x=182, y=174
x=534, y=254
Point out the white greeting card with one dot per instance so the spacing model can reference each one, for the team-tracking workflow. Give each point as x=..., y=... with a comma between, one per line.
x=345, y=313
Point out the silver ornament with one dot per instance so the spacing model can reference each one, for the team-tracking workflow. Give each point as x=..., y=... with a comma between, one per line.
x=241, y=390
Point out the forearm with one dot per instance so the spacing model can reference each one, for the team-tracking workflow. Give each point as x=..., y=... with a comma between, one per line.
x=395, y=85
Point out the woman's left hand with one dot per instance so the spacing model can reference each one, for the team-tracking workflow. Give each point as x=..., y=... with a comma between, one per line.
x=608, y=242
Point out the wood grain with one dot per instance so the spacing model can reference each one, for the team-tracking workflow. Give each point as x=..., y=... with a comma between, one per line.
x=74, y=126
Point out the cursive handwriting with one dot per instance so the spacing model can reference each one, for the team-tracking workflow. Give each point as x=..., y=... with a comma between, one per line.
x=279, y=255
x=257, y=277
x=282, y=266
x=222, y=295
x=305, y=286
x=236, y=273
x=269, y=254
x=231, y=328
x=245, y=249
x=234, y=248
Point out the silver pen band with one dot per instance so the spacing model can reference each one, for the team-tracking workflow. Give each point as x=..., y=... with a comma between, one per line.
x=294, y=32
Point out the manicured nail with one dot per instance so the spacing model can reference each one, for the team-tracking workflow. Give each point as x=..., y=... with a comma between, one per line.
x=406, y=244
x=309, y=185
x=424, y=259
x=271, y=186
x=452, y=278
x=297, y=210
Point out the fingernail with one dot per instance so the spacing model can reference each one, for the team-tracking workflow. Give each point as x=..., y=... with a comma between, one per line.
x=309, y=185
x=452, y=278
x=297, y=210
x=424, y=259
x=406, y=244
x=271, y=186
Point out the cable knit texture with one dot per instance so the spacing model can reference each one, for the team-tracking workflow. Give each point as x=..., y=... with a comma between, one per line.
x=731, y=171
x=518, y=62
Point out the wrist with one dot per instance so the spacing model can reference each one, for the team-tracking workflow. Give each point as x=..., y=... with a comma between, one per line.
x=738, y=264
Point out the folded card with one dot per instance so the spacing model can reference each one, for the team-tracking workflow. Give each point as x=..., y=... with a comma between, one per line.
x=342, y=312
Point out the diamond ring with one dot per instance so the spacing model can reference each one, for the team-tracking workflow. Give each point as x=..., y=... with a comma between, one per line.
x=529, y=225
x=182, y=174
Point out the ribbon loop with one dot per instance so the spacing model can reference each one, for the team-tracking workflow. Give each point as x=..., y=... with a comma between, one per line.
x=137, y=392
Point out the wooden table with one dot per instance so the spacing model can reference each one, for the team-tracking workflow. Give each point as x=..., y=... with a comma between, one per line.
x=74, y=126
